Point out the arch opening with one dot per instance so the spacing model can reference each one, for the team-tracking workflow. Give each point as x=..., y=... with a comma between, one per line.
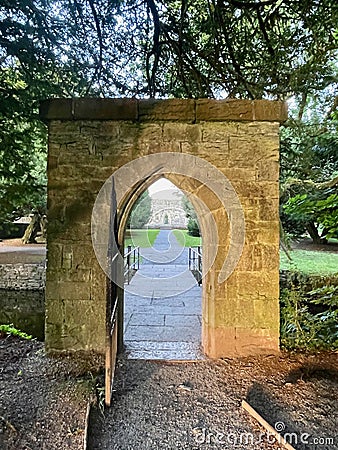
x=218, y=209
x=163, y=298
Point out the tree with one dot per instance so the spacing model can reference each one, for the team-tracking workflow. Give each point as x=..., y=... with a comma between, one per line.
x=141, y=212
x=309, y=158
x=193, y=226
x=283, y=49
x=317, y=211
x=30, y=70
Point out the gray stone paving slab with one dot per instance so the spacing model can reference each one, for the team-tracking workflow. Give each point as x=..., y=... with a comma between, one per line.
x=174, y=301
x=181, y=333
x=145, y=333
x=150, y=286
x=179, y=320
x=147, y=319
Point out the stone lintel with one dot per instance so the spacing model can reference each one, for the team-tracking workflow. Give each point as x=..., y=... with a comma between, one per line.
x=184, y=110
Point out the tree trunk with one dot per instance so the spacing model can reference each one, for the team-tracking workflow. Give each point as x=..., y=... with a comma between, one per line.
x=43, y=226
x=313, y=232
x=32, y=230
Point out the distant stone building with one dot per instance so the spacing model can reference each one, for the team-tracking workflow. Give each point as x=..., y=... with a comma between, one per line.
x=167, y=210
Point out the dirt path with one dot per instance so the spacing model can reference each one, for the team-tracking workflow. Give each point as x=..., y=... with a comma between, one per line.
x=162, y=405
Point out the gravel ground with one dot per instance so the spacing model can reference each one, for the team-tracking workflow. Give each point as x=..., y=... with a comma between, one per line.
x=162, y=405
x=43, y=401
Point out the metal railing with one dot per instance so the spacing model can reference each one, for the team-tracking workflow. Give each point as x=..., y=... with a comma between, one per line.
x=131, y=262
x=195, y=263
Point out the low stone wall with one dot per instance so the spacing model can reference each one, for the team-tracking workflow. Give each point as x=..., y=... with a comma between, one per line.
x=25, y=309
x=25, y=277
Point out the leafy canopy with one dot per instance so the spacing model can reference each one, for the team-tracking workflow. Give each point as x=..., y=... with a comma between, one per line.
x=276, y=49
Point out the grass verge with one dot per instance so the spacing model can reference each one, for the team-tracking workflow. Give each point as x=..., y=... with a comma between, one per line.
x=140, y=238
x=185, y=240
x=310, y=262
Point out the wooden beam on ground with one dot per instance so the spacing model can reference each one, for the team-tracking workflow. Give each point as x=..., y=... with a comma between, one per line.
x=266, y=425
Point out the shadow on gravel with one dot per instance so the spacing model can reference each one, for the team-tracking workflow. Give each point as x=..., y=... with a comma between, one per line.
x=273, y=412
x=280, y=416
x=308, y=372
x=125, y=384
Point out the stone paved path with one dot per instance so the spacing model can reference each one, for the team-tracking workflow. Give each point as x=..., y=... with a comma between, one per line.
x=163, y=304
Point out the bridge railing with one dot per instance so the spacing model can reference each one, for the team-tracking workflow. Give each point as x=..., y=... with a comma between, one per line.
x=131, y=262
x=195, y=263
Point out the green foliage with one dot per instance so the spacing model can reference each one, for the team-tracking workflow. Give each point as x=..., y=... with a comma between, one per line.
x=325, y=295
x=276, y=50
x=309, y=168
x=22, y=150
x=193, y=226
x=320, y=207
x=10, y=329
x=141, y=212
x=303, y=330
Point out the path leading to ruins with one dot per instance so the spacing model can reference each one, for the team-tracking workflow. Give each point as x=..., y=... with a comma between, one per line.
x=163, y=305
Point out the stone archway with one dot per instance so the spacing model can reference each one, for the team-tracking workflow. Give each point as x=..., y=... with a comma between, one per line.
x=90, y=139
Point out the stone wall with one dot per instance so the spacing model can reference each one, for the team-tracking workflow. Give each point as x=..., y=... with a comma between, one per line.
x=23, y=277
x=89, y=139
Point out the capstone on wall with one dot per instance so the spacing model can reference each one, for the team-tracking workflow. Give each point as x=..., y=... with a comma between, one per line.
x=89, y=139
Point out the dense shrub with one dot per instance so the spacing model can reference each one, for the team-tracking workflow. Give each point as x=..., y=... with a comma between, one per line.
x=309, y=317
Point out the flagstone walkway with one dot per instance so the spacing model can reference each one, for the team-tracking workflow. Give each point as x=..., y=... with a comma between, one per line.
x=163, y=305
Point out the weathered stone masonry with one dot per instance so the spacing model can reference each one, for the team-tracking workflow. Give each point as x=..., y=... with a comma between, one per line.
x=91, y=138
x=28, y=277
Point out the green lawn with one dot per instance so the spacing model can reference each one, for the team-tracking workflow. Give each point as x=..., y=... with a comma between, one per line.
x=311, y=262
x=140, y=238
x=185, y=240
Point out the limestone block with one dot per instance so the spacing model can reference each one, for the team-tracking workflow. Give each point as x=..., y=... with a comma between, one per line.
x=74, y=290
x=163, y=110
x=268, y=209
x=224, y=110
x=259, y=285
x=255, y=129
x=144, y=148
x=266, y=232
x=182, y=132
x=233, y=342
x=268, y=171
x=218, y=132
x=107, y=108
x=270, y=111
x=261, y=189
x=237, y=173
x=213, y=152
x=149, y=132
x=55, y=109
x=248, y=152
